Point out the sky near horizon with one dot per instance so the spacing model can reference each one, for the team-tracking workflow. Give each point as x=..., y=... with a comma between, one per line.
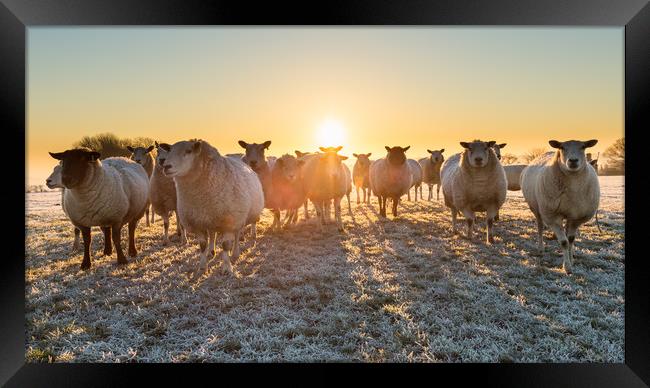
x=360, y=87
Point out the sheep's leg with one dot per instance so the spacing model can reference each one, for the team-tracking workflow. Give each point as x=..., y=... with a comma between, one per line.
x=454, y=214
x=276, y=219
x=470, y=217
x=540, y=233
x=85, y=234
x=132, y=250
x=438, y=192
x=556, y=226
x=206, y=242
x=108, y=248
x=306, y=207
x=430, y=192
x=395, y=203
x=165, y=217
x=496, y=217
x=153, y=214
x=116, y=232
x=318, y=205
x=358, y=199
x=408, y=194
x=492, y=213
x=327, y=210
x=75, y=245
x=180, y=230
x=146, y=214
x=226, y=245
x=337, y=214
x=571, y=232
x=349, y=206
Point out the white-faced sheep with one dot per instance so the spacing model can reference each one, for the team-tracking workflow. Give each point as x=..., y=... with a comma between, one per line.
x=288, y=188
x=390, y=177
x=497, y=149
x=416, y=178
x=54, y=182
x=561, y=186
x=143, y=157
x=513, y=175
x=431, y=171
x=474, y=181
x=361, y=175
x=108, y=193
x=162, y=194
x=326, y=180
x=215, y=194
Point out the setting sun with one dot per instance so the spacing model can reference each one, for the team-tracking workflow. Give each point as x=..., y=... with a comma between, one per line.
x=331, y=133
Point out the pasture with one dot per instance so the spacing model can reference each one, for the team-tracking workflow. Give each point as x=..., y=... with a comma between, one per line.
x=403, y=290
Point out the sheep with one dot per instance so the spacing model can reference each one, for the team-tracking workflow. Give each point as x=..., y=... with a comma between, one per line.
x=287, y=188
x=431, y=171
x=143, y=157
x=390, y=177
x=416, y=178
x=497, y=149
x=107, y=193
x=215, y=194
x=360, y=175
x=472, y=181
x=513, y=174
x=162, y=194
x=302, y=155
x=562, y=186
x=325, y=180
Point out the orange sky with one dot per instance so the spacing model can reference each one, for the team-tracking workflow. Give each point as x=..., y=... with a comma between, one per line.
x=423, y=87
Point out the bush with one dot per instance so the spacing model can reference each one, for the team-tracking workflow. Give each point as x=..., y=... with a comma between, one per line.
x=108, y=145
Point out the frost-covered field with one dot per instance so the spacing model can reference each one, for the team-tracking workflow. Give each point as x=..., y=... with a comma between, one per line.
x=386, y=290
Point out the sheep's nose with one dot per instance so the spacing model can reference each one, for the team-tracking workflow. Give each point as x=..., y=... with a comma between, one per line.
x=573, y=160
x=478, y=160
x=162, y=162
x=48, y=181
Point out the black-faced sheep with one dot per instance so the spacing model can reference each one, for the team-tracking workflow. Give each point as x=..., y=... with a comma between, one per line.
x=390, y=177
x=108, y=193
x=416, y=178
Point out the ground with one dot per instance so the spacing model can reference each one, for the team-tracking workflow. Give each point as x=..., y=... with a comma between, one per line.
x=401, y=289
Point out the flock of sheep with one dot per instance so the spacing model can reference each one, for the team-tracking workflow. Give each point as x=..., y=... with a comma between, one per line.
x=218, y=198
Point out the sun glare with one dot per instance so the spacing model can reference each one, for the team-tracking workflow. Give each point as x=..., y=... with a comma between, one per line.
x=331, y=133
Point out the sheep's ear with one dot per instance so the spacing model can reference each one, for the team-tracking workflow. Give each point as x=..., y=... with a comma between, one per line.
x=442, y=150
x=593, y=162
x=590, y=143
x=243, y=144
x=355, y=155
x=150, y=148
x=322, y=149
x=196, y=146
x=92, y=156
x=266, y=144
x=406, y=149
x=57, y=155
x=341, y=157
x=491, y=143
x=129, y=148
x=165, y=146
x=555, y=144
x=387, y=148
x=155, y=143
x=464, y=144
x=502, y=145
x=429, y=151
x=337, y=149
x=368, y=154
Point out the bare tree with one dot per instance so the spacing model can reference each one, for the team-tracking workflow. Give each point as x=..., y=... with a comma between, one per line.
x=532, y=154
x=615, y=155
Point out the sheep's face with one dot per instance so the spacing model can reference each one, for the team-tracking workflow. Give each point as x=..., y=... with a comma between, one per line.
x=436, y=156
x=161, y=154
x=330, y=163
x=180, y=157
x=289, y=167
x=54, y=180
x=254, y=155
x=572, y=153
x=140, y=154
x=363, y=160
x=497, y=149
x=75, y=165
x=396, y=155
x=477, y=152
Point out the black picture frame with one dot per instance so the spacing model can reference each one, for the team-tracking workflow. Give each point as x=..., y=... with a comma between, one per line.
x=18, y=15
